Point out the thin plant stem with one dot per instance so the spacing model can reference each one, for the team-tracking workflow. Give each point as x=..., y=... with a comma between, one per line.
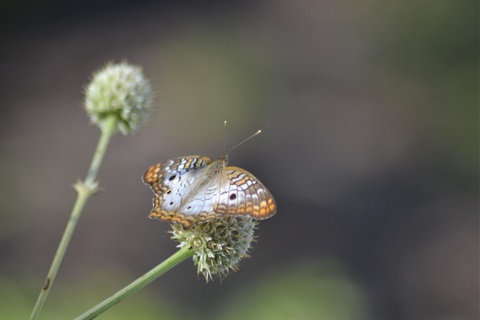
x=85, y=190
x=179, y=256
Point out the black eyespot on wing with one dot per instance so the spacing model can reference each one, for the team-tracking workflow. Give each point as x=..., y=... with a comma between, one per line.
x=189, y=207
x=172, y=177
x=233, y=196
x=169, y=191
x=171, y=203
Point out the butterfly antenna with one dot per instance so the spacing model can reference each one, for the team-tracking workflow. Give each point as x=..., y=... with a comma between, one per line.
x=253, y=135
x=225, y=137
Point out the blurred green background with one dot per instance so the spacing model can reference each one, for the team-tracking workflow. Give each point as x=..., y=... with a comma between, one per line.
x=369, y=112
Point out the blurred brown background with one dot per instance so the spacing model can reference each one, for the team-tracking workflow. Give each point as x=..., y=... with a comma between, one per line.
x=369, y=112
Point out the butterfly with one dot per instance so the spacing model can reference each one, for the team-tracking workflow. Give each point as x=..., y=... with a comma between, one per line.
x=193, y=188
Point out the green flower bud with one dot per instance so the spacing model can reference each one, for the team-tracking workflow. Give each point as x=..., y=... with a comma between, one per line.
x=219, y=244
x=120, y=90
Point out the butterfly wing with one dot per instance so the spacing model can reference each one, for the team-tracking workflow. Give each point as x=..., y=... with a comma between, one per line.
x=200, y=204
x=173, y=181
x=241, y=193
x=162, y=176
x=193, y=188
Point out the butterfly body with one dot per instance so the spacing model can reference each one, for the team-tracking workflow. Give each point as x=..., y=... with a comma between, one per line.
x=194, y=188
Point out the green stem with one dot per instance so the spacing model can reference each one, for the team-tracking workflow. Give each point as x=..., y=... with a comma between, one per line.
x=176, y=258
x=85, y=190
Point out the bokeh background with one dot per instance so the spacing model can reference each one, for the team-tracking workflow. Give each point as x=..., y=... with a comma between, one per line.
x=369, y=112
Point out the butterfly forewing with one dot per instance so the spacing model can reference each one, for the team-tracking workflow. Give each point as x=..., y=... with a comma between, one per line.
x=243, y=194
x=163, y=175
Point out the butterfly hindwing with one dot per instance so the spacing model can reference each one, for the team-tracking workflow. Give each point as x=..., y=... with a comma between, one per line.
x=201, y=203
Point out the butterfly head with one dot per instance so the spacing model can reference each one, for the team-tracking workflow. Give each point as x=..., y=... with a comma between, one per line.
x=217, y=166
x=224, y=160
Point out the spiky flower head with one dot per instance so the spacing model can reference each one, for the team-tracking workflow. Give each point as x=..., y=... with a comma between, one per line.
x=219, y=244
x=120, y=90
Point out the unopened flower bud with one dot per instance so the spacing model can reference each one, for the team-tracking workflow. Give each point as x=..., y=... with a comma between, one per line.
x=120, y=90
